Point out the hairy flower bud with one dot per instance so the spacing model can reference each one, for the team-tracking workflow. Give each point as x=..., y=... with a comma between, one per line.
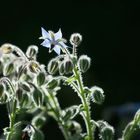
x=68, y=66
x=32, y=52
x=106, y=130
x=84, y=63
x=97, y=95
x=75, y=127
x=25, y=86
x=61, y=68
x=34, y=66
x=39, y=120
x=7, y=48
x=41, y=78
x=53, y=66
x=75, y=39
x=9, y=69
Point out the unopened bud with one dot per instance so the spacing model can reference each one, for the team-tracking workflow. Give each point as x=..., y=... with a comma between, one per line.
x=32, y=51
x=38, y=97
x=61, y=68
x=7, y=48
x=84, y=63
x=34, y=67
x=39, y=121
x=75, y=39
x=98, y=95
x=25, y=86
x=106, y=131
x=41, y=78
x=68, y=66
x=53, y=66
x=75, y=127
x=9, y=69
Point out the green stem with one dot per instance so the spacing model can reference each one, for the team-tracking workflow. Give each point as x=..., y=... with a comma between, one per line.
x=12, y=117
x=58, y=115
x=85, y=104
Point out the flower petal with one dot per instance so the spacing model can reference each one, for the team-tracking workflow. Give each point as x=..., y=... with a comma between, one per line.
x=45, y=34
x=57, y=49
x=63, y=44
x=58, y=35
x=46, y=43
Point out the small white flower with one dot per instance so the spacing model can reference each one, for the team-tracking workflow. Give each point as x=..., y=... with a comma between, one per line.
x=53, y=41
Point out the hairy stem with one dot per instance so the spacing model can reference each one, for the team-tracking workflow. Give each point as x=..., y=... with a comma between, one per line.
x=58, y=115
x=12, y=117
x=85, y=104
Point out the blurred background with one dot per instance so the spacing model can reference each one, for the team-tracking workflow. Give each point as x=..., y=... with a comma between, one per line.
x=111, y=32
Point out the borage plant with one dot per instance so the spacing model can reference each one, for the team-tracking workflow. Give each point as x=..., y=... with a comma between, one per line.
x=26, y=87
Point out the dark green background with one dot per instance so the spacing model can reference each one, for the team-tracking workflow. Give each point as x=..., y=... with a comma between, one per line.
x=111, y=32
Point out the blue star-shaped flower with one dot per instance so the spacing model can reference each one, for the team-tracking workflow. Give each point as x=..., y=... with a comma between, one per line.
x=53, y=41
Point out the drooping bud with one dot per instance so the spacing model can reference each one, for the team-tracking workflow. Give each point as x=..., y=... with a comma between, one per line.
x=106, y=131
x=75, y=39
x=84, y=63
x=97, y=95
x=25, y=86
x=9, y=69
x=32, y=52
x=39, y=121
x=53, y=66
x=61, y=68
x=52, y=84
x=68, y=66
x=38, y=97
x=41, y=78
x=7, y=48
x=75, y=127
x=34, y=66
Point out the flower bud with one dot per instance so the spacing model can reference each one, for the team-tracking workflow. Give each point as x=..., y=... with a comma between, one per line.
x=75, y=39
x=41, y=78
x=9, y=69
x=53, y=66
x=84, y=63
x=68, y=66
x=106, y=130
x=38, y=97
x=24, y=100
x=34, y=66
x=107, y=133
x=7, y=48
x=25, y=86
x=97, y=95
x=52, y=84
x=32, y=51
x=39, y=121
x=61, y=68
x=75, y=127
